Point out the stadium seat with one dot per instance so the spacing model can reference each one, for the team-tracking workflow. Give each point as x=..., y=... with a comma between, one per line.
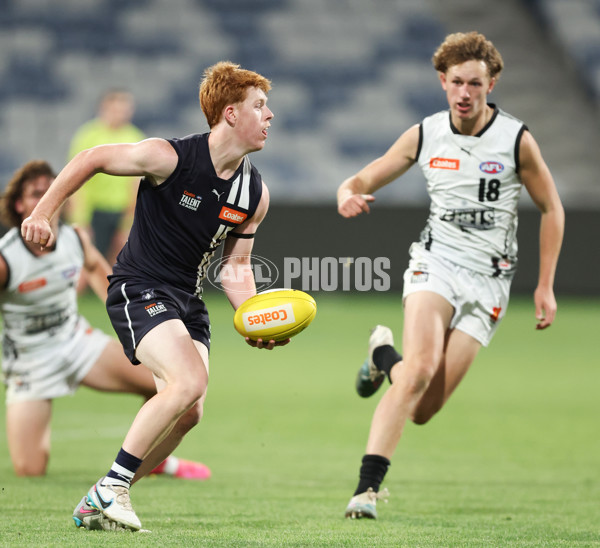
x=576, y=26
x=338, y=69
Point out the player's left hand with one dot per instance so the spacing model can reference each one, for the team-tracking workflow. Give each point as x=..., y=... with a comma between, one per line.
x=266, y=345
x=355, y=204
x=545, y=307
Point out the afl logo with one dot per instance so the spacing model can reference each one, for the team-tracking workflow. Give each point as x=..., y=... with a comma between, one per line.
x=491, y=167
x=264, y=272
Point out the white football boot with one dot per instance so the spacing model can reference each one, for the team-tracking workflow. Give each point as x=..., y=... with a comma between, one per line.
x=363, y=505
x=114, y=503
x=369, y=377
x=87, y=516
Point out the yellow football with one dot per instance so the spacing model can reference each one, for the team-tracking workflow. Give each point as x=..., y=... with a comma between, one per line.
x=275, y=315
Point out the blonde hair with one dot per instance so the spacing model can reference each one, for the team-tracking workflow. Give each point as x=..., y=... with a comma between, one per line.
x=225, y=84
x=460, y=47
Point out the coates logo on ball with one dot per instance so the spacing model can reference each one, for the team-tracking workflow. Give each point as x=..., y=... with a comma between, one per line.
x=273, y=317
x=277, y=314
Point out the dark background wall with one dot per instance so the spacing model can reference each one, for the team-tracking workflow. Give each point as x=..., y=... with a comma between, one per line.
x=319, y=232
x=316, y=233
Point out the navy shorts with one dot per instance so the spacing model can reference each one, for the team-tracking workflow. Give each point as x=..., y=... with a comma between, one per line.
x=136, y=306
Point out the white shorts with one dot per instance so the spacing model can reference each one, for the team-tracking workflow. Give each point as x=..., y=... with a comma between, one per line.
x=479, y=300
x=54, y=370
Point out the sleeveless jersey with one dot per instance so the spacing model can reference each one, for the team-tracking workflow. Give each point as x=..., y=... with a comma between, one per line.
x=179, y=224
x=39, y=302
x=474, y=187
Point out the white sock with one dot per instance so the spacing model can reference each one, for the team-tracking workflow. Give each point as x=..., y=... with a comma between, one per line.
x=171, y=465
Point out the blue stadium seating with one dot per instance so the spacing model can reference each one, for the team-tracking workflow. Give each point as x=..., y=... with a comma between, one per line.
x=85, y=47
x=338, y=68
x=575, y=25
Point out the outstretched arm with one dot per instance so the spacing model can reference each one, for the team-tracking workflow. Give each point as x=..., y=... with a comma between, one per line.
x=355, y=193
x=237, y=276
x=153, y=158
x=539, y=183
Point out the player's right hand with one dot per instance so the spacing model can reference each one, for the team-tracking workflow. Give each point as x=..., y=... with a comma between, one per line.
x=545, y=307
x=355, y=205
x=36, y=229
x=267, y=345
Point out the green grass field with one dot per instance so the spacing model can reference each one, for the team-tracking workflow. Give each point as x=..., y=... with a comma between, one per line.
x=513, y=460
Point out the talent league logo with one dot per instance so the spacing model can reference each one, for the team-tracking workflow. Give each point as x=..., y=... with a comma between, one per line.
x=155, y=308
x=190, y=200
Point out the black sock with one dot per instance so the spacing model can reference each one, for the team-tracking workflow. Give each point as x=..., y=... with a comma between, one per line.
x=385, y=357
x=372, y=472
x=123, y=469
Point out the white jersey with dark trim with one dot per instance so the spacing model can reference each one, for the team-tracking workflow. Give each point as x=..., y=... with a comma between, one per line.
x=39, y=302
x=179, y=224
x=474, y=187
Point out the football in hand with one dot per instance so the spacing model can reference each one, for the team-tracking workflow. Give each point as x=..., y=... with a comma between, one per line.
x=275, y=315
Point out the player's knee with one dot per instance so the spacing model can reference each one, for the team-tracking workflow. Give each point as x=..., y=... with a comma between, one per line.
x=190, y=392
x=28, y=468
x=424, y=415
x=420, y=378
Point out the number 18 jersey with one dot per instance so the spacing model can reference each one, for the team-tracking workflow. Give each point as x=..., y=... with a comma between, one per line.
x=474, y=186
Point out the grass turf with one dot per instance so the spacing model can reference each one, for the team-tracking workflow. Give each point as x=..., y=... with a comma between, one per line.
x=511, y=461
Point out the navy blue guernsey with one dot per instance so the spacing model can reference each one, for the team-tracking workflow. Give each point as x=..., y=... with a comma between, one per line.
x=179, y=224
